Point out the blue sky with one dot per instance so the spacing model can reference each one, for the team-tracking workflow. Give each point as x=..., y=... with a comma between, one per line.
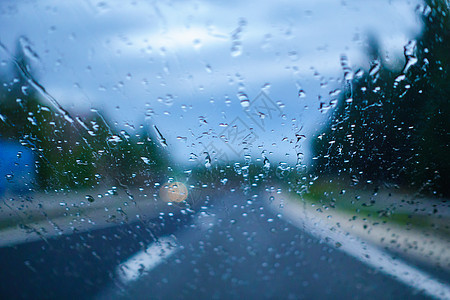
x=185, y=66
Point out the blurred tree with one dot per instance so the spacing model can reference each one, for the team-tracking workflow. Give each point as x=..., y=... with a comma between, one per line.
x=71, y=153
x=26, y=120
x=394, y=127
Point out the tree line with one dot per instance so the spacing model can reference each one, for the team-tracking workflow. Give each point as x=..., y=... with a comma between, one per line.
x=393, y=127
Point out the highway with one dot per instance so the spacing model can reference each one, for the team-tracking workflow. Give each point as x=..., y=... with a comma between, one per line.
x=234, y=246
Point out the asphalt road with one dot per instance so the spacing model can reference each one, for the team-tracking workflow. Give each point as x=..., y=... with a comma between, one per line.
x=231, y=248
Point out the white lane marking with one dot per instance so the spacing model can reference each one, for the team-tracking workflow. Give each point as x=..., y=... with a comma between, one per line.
x=144, y=261
x=364, y=252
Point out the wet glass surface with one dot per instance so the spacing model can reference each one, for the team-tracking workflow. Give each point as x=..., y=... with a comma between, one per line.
x=197, y=149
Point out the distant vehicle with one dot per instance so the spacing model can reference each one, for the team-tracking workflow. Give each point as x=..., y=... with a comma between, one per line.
x=17, y=168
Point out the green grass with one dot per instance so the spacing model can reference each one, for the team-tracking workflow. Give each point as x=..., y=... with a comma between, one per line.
x=331, y=196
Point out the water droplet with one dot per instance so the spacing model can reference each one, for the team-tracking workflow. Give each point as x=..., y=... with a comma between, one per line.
x=227, y=100
x=237, y=168
x=301, y=93
x=410, y=55
x=236, y=49
x=207, y=160
x=300, y=157
x=89, y=198
x=266, y=87
x=114, y=139
x=193, y=157
x=348, y=73
x=168, y=100
x=293, y=55
x=282, y=170
x=24, y=90
x=399, y=79
x=375, y=68
x=266, y=164
x=197, y=43
x=335, y=92
x=146, y=160
x=236, y=36
x=359, y=73
x=243, y=98
x=102, y=6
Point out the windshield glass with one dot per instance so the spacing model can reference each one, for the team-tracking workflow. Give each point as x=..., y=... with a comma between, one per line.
x=199, y=149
